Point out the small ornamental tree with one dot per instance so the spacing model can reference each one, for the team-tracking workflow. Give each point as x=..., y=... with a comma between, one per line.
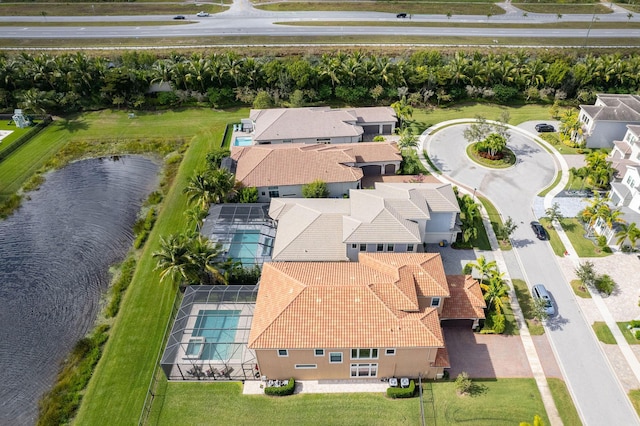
x=605, y=284
x=539, y=309
x=586, y=273
x=507, y=229
x=493, y=145
x=463, y=383
x=315, y=189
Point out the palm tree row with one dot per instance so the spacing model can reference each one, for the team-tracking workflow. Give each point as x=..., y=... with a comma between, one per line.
x=599, y=213
x=75, y=81
x=492, y=283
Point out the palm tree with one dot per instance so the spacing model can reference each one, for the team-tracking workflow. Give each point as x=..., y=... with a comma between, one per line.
x=196, y=215
x=199, y=190
x=202, y=256
x=495, y=292
x=484, y=268
x=222, y=185
x=173, y=259
x=407, y=139
x=628, y=232
x=553, y=213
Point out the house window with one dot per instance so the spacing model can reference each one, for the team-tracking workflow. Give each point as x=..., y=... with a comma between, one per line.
x=335, y=357
x=364, y=370
x=390, y=351
x=410, y=247
x=380, y=247
x=435, y=302
x=389, y=247
x=354, y=246
x=286, y=140
x=364, y=353
x=283, y=352
x=630, y=181
x=306, y=366
x=274, y=192
x=319, y=352
x=363, y=247
x=323, y=140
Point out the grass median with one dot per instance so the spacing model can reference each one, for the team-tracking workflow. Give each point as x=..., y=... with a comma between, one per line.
x=416, y=8
x=104, y=9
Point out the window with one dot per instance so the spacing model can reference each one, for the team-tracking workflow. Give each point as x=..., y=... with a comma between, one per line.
x=335, y=357
x=319, y=352
x=306, y=366
x=323, y=140
x=363, y=247
x=380, y=247
x=389, y=247
x=354, y=246
x=286, y=140
x=410, y=247
x=435, y=302
x=274, y=192
x=364, y=370
x=283, y=352
x=390, y=351
x=364, y=353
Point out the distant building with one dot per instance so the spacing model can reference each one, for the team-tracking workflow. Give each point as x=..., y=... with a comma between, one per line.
x=606, y=121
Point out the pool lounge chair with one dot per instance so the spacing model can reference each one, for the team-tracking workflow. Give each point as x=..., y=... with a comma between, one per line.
x=227, y=371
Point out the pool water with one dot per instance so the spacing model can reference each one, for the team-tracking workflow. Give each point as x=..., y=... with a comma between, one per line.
x=244, y=246
x=218, y=328
x=243, y=141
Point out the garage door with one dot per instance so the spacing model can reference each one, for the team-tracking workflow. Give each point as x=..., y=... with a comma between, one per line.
x=457, y=323
x=371, y=170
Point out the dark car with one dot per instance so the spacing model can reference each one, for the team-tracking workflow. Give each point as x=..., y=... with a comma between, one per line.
x=539, y=230
x=544, y=127
x=401, y=15
x=178, y=17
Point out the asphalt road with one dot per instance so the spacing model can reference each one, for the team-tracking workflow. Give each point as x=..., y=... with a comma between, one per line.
x=597, y=392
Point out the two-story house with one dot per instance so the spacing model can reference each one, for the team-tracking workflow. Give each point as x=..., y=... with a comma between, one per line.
x=378, y=317
x=393, y=217
x=606, y=120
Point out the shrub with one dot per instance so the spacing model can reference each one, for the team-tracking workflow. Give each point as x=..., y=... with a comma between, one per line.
x=315, y=189
x=605, y=284
x=634, y=323
x=378, y=138
x=638, y=334
x=408, y=392
x=463, y=383
x=498, y=321
x=154, y=198
x=281, y=390
x=127, y=268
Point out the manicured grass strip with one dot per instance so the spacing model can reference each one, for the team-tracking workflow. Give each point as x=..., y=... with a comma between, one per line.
x=104, y=9
x=526, y=304
x=634, y=396
x=118, y=388
x=92, y=24
x=603, y=333
x=455, y=8
x=580, y=290
x=629, y=337
x=554, y=139
x=379, y=41
x=426, y=157
x=555, y=8
x=510, y=324
x=493, y=402
x=551, y=186
x=507, y=161
x=564, y=402
x=582, y=245
x=412, y=23
x=495, y=219
x=556, y=243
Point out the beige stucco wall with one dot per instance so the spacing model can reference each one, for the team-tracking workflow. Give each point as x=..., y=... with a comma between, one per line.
x=407, y=362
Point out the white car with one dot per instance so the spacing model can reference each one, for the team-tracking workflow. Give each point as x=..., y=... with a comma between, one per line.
x=202, y=14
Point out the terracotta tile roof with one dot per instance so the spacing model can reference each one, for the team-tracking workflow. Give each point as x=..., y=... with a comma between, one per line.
x=346, y=304
x=466, y=301
x=267, y=166
x=442, y=358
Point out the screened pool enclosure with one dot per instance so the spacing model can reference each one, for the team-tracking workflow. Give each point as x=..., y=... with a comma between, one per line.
x=209, y=337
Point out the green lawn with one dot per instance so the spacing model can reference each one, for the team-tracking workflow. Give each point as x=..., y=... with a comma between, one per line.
x=634, y=396
x=455, y=8
x=104, y=9
x=582, y=245
x=495, y=219
x=630, y=338
x=603, y=333
x=118, y=387
x=518, y=113
x=551, y=185
x=526, y=304
x=564, y=402
x=508, y=160
x=555, y=241
x=580, y=290
x=494, y=402
x=568, y=9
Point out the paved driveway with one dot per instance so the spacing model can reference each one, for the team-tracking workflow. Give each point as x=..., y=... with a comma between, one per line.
x=598, y=395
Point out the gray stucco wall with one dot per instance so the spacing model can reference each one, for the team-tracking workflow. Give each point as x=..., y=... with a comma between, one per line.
x=605, y=132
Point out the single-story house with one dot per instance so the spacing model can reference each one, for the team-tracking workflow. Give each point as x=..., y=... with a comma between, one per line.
x=282, y=170
x=375, y=318
x=313, y=125
x=606, y=121
x=393, y=217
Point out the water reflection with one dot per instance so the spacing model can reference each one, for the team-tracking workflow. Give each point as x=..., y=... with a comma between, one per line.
x=55, y=253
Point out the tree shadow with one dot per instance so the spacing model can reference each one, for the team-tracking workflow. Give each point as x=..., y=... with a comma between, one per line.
x=477, y=389
x=73, y=125
x=521, y=243
x=557, y=322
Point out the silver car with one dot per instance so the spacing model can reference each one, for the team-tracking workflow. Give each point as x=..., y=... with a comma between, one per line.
x=540, y=292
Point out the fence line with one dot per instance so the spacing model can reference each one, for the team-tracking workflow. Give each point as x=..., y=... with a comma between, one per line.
x=24, y=138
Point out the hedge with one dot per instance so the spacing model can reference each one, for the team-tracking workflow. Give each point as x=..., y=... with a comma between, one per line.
x=402, y=392
x=281, y=390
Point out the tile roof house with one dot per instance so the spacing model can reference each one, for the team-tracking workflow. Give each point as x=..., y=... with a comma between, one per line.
x=393, y=217
x=318, y=124
x=379, y=317
x=606, y=121
x=281, y=170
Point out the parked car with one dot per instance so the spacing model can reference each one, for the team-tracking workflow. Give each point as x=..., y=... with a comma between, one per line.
x=538, y=229
x=202, y=14
x=178, y=17
x=544, y=127
x=401, y=15
x=540, y=292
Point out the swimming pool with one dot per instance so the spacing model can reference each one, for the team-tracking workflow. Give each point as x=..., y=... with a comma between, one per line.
x=213, y=336
x=244, y=246
x=243, y=141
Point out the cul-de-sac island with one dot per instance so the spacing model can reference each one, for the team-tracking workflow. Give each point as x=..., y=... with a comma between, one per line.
x=320, y=213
